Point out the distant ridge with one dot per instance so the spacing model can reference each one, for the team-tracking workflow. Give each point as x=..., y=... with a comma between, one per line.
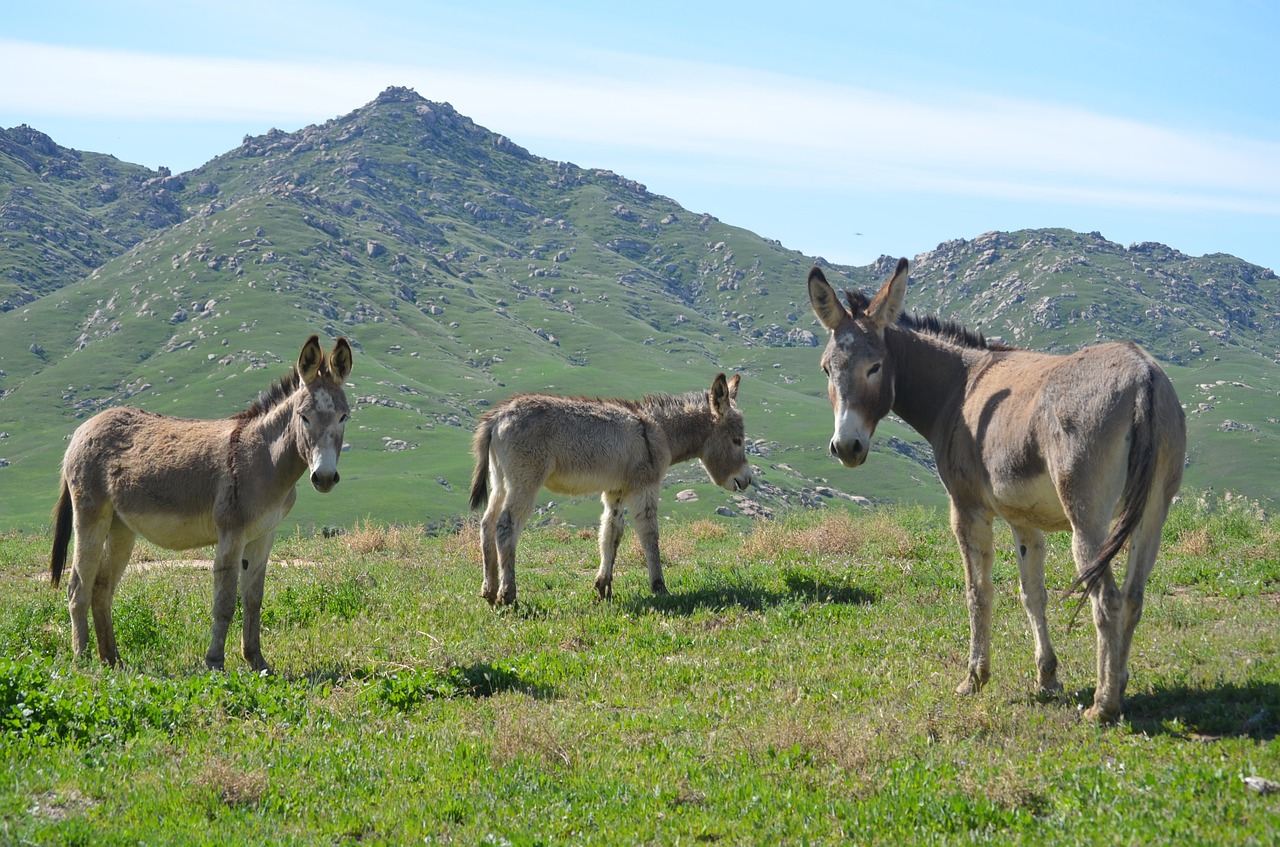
x=463, y=268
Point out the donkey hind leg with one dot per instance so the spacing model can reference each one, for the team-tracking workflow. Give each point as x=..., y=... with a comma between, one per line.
x=253, y=574
x=515, y=513
x=489, y=532
x=1035, y=599
x=1144, y=544
x=115, y=557
x=973, y=534
x=226, y=565
x=644, y=512
x=611, y=526
x=1116, y=613
x=92, y=529
x=1086, y=540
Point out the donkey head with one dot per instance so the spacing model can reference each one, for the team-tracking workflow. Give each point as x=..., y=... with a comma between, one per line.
x=724, y=454
x=860, y=372
x=321, y=410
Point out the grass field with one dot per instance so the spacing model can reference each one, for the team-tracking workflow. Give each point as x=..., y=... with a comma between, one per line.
x=795, y=687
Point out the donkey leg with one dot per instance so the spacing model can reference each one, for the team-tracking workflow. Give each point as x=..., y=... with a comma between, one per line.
x=644, y=511
x=1035, y=599
x=611, y=527
x=92, y=527
x=973, y=533
x=226, y=563
x=1113, y=664
x=253, y=574
x=115, y=558
x=511, y=520
x=1086, y=538
x=488, y=538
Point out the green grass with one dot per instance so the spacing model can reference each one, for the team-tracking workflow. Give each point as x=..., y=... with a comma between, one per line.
x=795, y=687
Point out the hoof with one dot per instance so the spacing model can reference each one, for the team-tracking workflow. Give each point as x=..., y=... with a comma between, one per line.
x=604, y=590
x=660, y=587
x=1102, y=716
x=505, y=597
x=1049, y=689
x=970, y=685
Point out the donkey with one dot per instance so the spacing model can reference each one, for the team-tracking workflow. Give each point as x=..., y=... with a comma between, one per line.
x=1047, y=442
x=184, y=483
x=576, y=445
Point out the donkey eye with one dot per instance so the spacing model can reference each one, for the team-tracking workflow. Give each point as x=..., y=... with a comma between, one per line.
x=305, y=419
x=875, y=369
x=826, y=371
x=737, y=442
x=344, y=418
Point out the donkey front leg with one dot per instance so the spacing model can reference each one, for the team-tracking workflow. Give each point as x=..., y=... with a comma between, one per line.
x=644, y=511
x=973, y=533
x=611, y=526
x=227, y=560
x=253, y=574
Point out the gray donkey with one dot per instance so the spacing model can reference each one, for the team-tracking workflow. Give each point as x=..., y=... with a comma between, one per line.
x=576, y=445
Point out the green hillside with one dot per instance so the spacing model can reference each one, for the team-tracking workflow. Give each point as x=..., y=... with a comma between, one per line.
x=463, y=269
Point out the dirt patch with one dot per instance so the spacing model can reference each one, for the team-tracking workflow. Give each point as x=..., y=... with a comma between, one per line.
x=60, y=805
x=207, y=564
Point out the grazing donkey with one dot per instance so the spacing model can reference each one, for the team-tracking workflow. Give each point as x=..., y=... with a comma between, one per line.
x=1046, y=442
x=576, y=445
x=184, y=483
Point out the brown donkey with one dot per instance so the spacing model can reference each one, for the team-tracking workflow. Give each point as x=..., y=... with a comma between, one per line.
x=1046, y=442
x=576, y=445
x=184, y=483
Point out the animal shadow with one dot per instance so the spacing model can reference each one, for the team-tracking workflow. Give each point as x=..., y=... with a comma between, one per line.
x=487, y=680
x=477, y=681
x=752, y=597
x=1251, y=710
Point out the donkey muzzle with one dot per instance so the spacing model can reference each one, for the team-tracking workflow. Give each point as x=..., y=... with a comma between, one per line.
x=324, y=481
x=850, y=453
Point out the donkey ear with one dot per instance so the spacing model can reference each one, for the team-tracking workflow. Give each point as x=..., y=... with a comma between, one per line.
x=733, y=386
x=340, y=361
x=310, y=359
x=823, y=299
x=886, y=306
x=720, y=396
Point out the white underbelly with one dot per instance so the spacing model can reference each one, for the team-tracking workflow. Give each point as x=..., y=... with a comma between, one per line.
x=1032, y=503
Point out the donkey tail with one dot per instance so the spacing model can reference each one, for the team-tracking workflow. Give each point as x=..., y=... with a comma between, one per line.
x=1137, y=487
x=61, y=534
x=480, y=477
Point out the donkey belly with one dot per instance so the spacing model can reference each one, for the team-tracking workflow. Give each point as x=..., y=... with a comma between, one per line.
x=577, y=482
x=173, y=531
x=1031, y=502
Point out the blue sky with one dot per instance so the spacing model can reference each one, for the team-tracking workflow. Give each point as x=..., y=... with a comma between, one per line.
x=846, y=129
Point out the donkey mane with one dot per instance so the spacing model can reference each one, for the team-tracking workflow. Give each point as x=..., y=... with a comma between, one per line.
x=948, y=330
x=279, y=391
x=669, y=402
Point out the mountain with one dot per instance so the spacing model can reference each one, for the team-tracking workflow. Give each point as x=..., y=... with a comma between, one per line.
x=464, y=268
x=64, y=213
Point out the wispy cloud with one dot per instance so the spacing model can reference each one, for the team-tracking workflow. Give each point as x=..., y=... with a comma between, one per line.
x=726, y=121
